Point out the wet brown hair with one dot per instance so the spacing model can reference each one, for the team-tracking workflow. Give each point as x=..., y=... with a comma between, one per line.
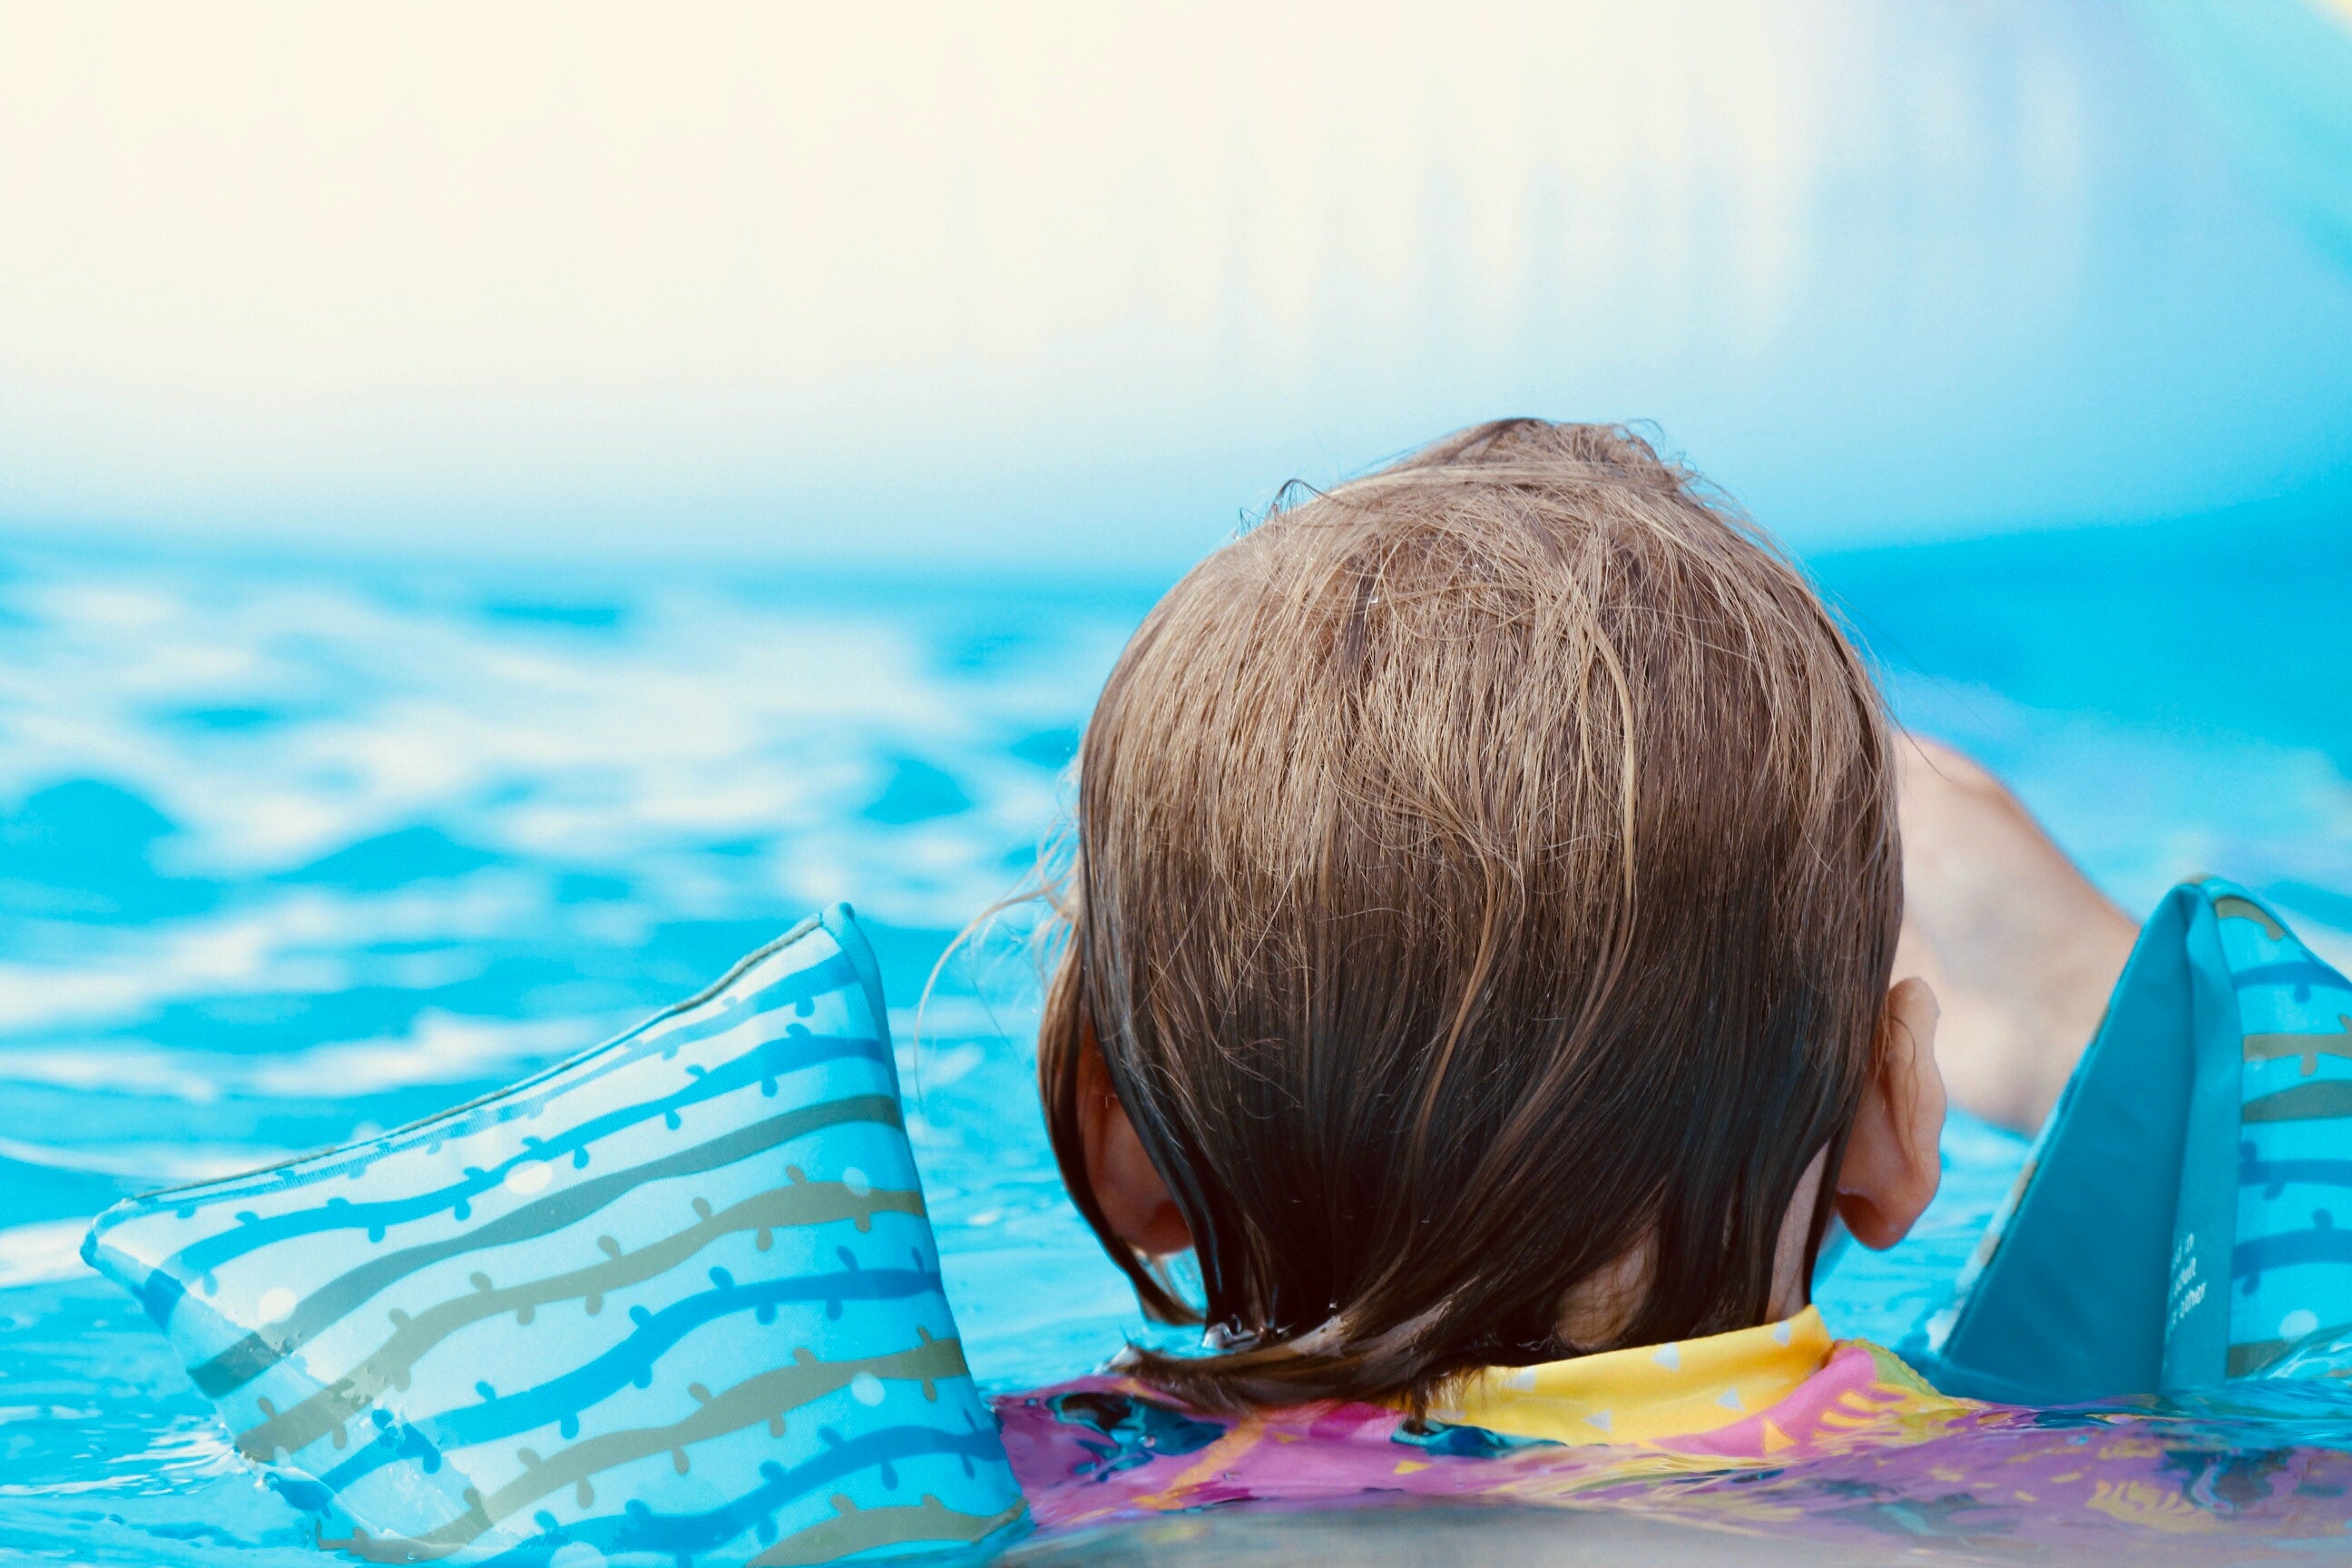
x=1485, y=871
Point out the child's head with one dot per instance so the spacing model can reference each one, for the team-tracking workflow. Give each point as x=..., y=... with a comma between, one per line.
x=1486, y=891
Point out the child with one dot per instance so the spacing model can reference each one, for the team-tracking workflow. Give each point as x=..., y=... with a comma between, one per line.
x=1490, y=960
x=1486, y=901
x=1488, y=957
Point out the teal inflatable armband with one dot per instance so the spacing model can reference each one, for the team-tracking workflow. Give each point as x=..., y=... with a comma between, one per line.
x=2177, y=1223
x=676, y=1301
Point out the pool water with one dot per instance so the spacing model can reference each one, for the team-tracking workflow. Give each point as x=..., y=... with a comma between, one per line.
x=291, y=853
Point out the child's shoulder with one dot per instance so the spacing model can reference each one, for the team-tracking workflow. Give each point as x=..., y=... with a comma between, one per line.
x=1109, y=1446
x=1861, y=1448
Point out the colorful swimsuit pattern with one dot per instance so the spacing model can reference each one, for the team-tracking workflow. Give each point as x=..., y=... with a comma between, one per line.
x=1779, y=1427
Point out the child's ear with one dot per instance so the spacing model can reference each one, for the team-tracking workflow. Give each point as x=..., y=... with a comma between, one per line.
x=1132, y=1196
x=1893, y=1160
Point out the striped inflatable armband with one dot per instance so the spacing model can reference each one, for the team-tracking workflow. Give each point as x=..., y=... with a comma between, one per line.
x=676, y=1301
x=2185, y=1217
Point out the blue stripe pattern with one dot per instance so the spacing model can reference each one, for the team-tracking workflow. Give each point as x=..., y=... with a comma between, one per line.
x=558, y=1401
x=763, y=1066
x=677, y=1537
x=691, y=1263
x=2290, y=1267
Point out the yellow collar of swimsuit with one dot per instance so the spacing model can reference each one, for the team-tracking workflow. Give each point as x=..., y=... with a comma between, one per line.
x=1652, y=1391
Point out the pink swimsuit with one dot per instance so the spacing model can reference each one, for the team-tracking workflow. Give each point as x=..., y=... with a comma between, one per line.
x=1779, y=1427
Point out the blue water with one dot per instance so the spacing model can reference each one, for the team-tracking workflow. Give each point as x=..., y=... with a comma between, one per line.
x=287, y=854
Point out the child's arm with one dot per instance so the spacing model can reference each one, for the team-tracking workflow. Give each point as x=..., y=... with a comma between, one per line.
x=2021, y=949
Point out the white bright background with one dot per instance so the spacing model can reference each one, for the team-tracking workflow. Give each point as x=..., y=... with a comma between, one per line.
x=1064, y=287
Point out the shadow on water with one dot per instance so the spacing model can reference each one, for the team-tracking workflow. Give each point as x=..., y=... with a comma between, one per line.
x=1493, y=1535
x=1447, y=1534
x=83, y=850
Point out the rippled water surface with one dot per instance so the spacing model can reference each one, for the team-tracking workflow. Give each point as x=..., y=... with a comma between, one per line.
x=287, y=854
